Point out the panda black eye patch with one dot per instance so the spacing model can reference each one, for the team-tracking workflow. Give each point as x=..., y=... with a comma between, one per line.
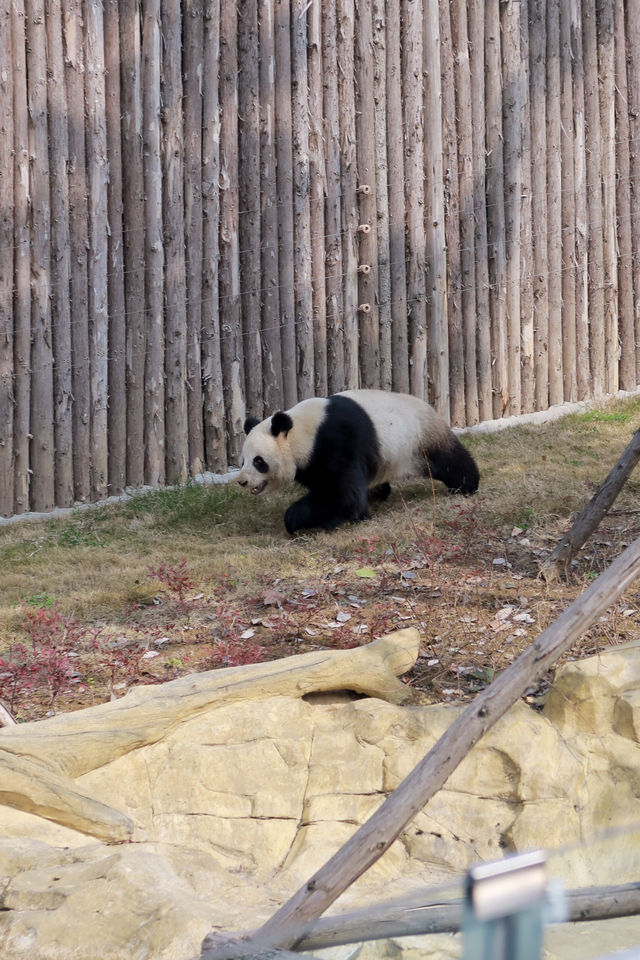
x=260, y=465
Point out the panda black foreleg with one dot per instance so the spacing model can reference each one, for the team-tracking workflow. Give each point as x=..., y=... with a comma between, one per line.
x=330, y=506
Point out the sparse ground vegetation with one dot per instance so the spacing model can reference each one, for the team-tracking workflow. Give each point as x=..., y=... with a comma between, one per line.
x=196, y=578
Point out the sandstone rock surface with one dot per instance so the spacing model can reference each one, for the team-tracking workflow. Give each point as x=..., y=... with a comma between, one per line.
x=132, y=829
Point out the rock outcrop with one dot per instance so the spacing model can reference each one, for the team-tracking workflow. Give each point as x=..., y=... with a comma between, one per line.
x=132, y=829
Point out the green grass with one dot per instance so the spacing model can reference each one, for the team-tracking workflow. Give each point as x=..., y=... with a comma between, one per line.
x=95, y=561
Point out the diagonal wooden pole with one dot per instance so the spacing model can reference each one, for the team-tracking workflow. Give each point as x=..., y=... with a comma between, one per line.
x=374, y=837
x=594, y=511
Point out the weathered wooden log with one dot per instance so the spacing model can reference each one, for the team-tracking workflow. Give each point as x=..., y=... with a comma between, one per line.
x=451, y=198
x=460, y=37
x=60, y=258
x=117, y=336
x=153, y=248
x=131, y=128
x=231, y=340
x=317, y=187
x=593, y=513
x=6, y=265
x=395, y=164
x=194, y=68
x=594, y=198
x=416, y=252
x=269, y=251
x=445, y=916
x=495, y=210
x=284, y=179
x=98, y=178
x=626, y=325
x=212, y=381
x=554, y=203
x=22, y=267
x=41, y=462
x=175, y=313
x=581, y=213
x=607, y=204
x=537, y=98
x=568, y=211
x=512, y=101
x=333, y=226
x=249, y=201
x=349, y=184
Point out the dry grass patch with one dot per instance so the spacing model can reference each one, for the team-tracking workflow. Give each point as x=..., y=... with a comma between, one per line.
x=200, y=577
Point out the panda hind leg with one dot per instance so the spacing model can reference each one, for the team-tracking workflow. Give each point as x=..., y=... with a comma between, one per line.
x=380, y=492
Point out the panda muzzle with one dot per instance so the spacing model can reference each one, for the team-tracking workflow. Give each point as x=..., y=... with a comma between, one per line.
x=259, y=487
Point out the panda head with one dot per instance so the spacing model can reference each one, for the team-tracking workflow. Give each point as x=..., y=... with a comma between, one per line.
x=266, y=457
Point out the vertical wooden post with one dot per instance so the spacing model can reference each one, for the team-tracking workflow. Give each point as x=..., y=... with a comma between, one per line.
x=581, y=215
x=6, y=266
x=348, y=179
x=495, y=209
x=271, y=340
x=333, y=226
x=537, y=98
x=626, y=326
x=369, y=339
x=249, y=200
x=437, y=319
x=212, y=379
x=60, y=260
x=301, y=199
x=117, y=412
x=606, y=64
x=97, y=165
x=368, y=215
x=284, y=175
x=476, y=35
x=382, y=190
x=526, y=233
x=173, y=229
x=416, y=253
x=153, y=248
x=193, y=54
x=396, y=174
x=594, y=198
x=568, y=211
x=232, y=345
x=21, y=260
x=466, y=197
x=554, y=208
x=133, y=215
x=452, y=220
x=633, y=77
x=42, y=462
x=317, y=186
x=512, y=99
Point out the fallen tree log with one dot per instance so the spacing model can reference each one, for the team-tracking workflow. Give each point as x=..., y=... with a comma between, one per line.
x=445, y=916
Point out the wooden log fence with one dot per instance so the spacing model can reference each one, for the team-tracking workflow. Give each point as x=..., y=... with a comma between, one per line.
x=213, y=209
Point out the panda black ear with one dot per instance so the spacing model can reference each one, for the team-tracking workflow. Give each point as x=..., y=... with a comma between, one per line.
x=250, y=423
x=281, y=423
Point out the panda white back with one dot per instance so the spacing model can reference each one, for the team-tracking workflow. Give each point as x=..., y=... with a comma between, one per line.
x=405, y=427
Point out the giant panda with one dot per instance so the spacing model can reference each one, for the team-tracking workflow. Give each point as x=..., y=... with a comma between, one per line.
x=347, y=449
